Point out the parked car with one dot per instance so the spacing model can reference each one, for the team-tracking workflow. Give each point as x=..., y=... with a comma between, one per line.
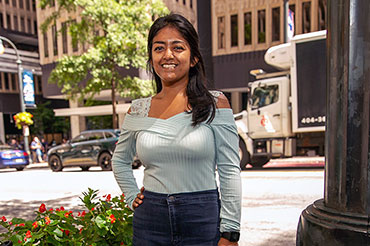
x=90, y=148
x=13, y=158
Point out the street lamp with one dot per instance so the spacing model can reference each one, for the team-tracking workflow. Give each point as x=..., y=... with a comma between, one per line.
x=19, y=65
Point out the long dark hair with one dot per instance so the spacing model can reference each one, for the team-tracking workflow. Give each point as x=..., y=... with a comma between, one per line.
x=201, y=101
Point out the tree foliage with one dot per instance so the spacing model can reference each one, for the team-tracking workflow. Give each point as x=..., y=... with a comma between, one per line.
x=113, y=34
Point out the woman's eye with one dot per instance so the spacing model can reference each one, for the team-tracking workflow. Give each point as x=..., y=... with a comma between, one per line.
x=158, y=48
x=179, y=48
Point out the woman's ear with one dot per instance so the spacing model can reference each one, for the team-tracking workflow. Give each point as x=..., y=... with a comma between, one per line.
x=194, y=62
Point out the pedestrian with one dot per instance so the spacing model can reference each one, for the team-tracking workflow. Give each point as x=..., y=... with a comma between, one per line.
x=36, y=148
x=14, y=144
x=181, y=135
x=45, y=147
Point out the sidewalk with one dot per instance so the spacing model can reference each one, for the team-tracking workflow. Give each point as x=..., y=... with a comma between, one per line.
x=37, y=165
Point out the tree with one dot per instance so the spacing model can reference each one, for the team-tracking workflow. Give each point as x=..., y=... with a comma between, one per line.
x=121, y=44
x=45, y=120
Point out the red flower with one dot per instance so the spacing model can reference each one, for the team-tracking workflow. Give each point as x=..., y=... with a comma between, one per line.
x=112, y=219
x=10, y=223
x=66, y=215
x=122, y=243
x=108, y=197
x=47, y=220
x=28, y=235
x=81, y=230
x=42, y=208
x=92, y=209
x=51, y=210
x=21, y=224
x=3, y=218
x=66, y=232
x=61, y=208
x=35, y=225
x=83, y=214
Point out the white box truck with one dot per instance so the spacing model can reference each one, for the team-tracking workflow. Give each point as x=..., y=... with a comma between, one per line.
x=285, y=114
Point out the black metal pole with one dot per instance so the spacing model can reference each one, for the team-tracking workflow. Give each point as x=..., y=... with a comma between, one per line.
x=343, y=216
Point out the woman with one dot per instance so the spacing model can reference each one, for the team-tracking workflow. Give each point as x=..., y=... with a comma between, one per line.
x=181, y=134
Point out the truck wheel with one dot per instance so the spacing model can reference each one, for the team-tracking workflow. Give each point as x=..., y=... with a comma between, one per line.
x=105, y=161
x=259, y=161
x=243, y=154
x=55, y=163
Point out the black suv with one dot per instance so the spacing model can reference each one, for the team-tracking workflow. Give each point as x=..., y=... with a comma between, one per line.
x=90, y=148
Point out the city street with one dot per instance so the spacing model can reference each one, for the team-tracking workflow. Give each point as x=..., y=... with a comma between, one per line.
x=272, y=199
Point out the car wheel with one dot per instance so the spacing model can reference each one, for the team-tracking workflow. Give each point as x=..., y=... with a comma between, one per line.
x=85, y=168
x=19, y=168
x=105, y=161
x=259, y=161
x=244, y=155
x=55, y=163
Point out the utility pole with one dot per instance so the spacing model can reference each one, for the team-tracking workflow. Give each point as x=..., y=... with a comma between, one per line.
x=20, y=85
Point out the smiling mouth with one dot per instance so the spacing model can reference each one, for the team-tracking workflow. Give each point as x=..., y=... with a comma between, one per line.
x=169, y=65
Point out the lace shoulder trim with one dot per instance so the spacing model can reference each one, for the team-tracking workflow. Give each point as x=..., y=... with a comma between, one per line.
x=140, y=107
x=216, y=94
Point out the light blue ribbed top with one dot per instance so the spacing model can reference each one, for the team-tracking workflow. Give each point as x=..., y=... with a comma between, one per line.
x=181, y=158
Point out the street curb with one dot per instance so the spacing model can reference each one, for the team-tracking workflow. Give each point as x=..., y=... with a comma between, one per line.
x=41, y=165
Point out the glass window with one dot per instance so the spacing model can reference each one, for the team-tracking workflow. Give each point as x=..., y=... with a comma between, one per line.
x=292, y=8
x=27, y=4
x=15, y=23
x=14, y=81
x=74, y=42
x=20, y=4
x=261, y=26
x=109, y=135
x=55, y=39
x=184, y=2
x=234, y=30
x=8, y=24
x=265, y=95
x=29, y=27
x=247, y=28
x=33, y=5
x=95, y=136
x=79, y=138
x=64, y=37
x=221, y=32
x=306, y=17
x=6, y=1
x=14, y=2
x=46, y=46
x=23, y=25
x=1, y=80
x=191, y=3
x=1, y=21
x=322, y=14
x=35, y=27
x=276, y=24
x=6, y=81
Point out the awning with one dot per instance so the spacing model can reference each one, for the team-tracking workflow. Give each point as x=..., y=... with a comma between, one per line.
x=92, y=110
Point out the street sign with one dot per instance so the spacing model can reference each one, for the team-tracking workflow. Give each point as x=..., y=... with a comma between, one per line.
x=28, y=89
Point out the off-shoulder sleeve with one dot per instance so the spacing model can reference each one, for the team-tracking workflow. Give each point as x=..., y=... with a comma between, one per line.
x=121, y=164
x=228, y=167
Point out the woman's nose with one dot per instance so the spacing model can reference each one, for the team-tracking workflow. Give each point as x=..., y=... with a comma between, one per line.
x=168, y=53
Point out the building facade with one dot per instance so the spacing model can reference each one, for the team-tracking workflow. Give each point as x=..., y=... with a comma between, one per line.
x=242, y=31
x=55, y=43
x=18, y=23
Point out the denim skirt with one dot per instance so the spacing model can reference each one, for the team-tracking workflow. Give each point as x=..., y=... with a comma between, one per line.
x=184, y=219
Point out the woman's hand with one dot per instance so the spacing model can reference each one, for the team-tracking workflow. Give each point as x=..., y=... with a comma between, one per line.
x=139, y=199
x=225, y=242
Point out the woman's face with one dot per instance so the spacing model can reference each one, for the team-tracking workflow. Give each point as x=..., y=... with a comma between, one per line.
x=171, y=56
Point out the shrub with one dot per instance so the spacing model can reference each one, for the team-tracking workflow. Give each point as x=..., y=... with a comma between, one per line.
x=107, y=221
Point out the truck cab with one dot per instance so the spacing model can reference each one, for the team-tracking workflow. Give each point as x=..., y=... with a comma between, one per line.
x=285, y=115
